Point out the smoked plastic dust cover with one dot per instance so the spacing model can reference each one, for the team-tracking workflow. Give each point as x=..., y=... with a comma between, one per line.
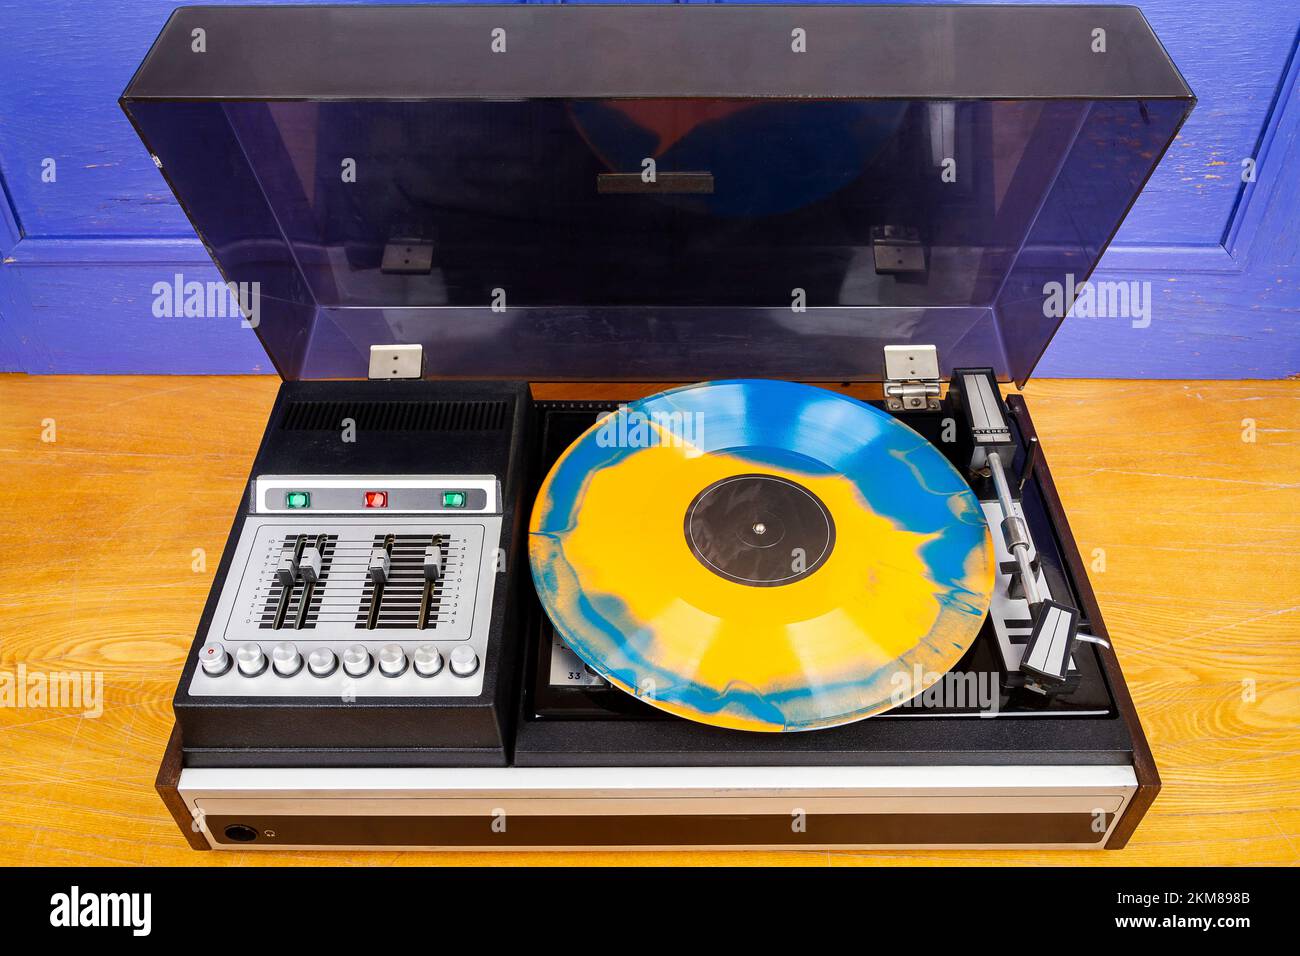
x=656, y=192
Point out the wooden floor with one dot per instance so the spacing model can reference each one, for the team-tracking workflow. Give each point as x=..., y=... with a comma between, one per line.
x=1194, y=532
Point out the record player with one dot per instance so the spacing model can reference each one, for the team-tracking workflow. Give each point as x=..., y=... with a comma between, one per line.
x=455, y=611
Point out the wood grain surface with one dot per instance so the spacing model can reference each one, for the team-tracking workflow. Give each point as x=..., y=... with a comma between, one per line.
x=1193, y=531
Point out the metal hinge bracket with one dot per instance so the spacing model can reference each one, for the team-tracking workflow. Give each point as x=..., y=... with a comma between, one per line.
x=911, y=378
x=396, y=361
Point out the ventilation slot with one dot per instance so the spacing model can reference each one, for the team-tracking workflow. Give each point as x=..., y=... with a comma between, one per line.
x=396, y=416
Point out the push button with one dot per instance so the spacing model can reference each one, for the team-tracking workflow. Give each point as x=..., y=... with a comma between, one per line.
x=322, y=662
x=464, y=662
x=285, y=659
x=214, y=659
x=250, y=660
x=392, y=660
x=357, y=661
x=428, y=662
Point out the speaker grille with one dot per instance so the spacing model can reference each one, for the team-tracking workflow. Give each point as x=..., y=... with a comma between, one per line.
x=453, y=416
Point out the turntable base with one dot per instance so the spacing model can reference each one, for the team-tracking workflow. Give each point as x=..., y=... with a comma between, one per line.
x=1215, y=808
x=593, y=766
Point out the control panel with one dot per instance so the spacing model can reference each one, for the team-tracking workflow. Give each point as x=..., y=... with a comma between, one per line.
x=323, y=601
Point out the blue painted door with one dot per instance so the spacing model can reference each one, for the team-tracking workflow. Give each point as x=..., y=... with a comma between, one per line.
x=87, y=225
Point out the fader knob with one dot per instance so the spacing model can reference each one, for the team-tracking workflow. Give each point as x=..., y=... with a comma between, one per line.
x=356, y=661
x=322, y=662
x=250, y=660
x=285, y=659
x=428, y=661
x=464, y=661
x=392, y=660
x=214, y=659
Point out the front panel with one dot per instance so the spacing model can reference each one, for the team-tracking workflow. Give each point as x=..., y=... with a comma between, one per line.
x=656, y=808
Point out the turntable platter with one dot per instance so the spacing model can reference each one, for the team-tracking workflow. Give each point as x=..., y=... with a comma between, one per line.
x=761, y=555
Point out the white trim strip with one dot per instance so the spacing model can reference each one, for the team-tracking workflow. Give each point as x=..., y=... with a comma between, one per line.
x=624, y=781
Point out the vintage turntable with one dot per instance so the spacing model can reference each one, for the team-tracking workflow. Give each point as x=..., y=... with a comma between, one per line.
x=740, y=613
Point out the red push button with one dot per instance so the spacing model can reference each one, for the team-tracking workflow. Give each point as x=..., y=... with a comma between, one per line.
x=376, y=499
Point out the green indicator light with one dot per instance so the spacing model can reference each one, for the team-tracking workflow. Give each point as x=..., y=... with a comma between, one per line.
x=297, y=499
x=453, y=499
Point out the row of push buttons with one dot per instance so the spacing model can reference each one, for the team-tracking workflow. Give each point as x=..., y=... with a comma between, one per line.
x=285, y=660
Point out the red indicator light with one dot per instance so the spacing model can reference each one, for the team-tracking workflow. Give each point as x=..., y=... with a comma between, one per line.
x=376, y=499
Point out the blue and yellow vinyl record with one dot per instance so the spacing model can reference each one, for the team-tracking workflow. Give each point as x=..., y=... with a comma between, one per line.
x=761, y=555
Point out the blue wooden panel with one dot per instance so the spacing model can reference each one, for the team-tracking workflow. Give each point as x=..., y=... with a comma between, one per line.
x=67, y=62
x=1226, y=310
x=87, y=306
x=1232, y=57
x=1233, y=64
x=80, y=255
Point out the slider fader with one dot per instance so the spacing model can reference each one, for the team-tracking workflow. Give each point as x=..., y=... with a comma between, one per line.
x=359, y=606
